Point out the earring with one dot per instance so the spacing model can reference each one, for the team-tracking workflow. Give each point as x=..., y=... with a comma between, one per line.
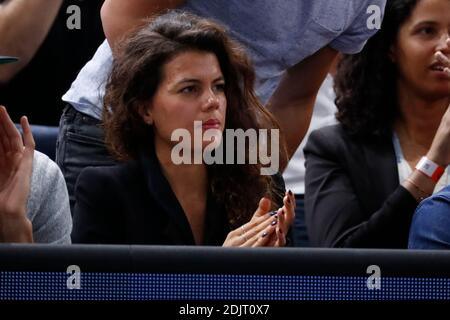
x=148, y=119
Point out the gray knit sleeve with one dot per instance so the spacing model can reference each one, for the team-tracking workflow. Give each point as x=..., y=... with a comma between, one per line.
x=48, y=203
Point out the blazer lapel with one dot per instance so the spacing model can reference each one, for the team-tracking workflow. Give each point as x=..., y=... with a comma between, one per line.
x=160, y=190
x=381, y=166
x=216, y=223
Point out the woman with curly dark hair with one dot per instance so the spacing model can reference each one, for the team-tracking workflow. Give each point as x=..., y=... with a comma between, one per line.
x=181, y=72
x=366, y=175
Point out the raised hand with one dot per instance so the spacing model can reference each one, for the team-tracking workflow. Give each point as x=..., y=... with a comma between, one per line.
x=16, y=164
x=440, y=148
x=442, y=58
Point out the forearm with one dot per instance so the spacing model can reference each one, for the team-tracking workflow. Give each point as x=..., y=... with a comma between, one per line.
x=24, y=25
x=120, y=17
x=419, y=185
x=294, y=118
x=293, y=101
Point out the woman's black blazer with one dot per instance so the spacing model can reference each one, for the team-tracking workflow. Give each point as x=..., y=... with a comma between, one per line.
x=132, y=203
x=353, y=197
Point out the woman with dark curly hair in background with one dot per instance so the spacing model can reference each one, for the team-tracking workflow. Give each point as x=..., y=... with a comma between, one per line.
x=366, y=175
x=175, y=71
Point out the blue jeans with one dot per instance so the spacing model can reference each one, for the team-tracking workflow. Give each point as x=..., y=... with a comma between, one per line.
x=430, y=226
x=80, y=144
x=299, y=234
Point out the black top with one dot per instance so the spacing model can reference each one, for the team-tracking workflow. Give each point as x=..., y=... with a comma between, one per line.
x=37, y=89
x=133, y=203
x=353, y=197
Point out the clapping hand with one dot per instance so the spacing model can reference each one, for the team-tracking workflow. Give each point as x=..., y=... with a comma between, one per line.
x=16, y=163
x=266, y=228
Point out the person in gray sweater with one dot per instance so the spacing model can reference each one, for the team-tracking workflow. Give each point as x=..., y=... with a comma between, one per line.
x=34, y=204
x=48, y=203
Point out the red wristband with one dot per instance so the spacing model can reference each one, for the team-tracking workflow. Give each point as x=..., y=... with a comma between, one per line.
x=430, y=169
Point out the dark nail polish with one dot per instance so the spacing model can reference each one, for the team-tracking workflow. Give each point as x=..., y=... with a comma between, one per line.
x=290, y=192
x=282, y=211
x=264, y=234
x=272, y=213
x=274, y=222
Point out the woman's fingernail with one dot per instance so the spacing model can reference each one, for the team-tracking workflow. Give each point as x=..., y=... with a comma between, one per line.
x=274, y=222
x=290, y=192
x=282, y=211
x=264, y=234
x=272, y=213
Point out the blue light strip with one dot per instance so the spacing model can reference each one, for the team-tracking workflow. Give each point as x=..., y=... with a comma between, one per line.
x=123, y=286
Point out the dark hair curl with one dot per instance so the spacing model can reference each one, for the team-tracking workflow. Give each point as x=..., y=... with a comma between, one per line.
x=365, y=83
